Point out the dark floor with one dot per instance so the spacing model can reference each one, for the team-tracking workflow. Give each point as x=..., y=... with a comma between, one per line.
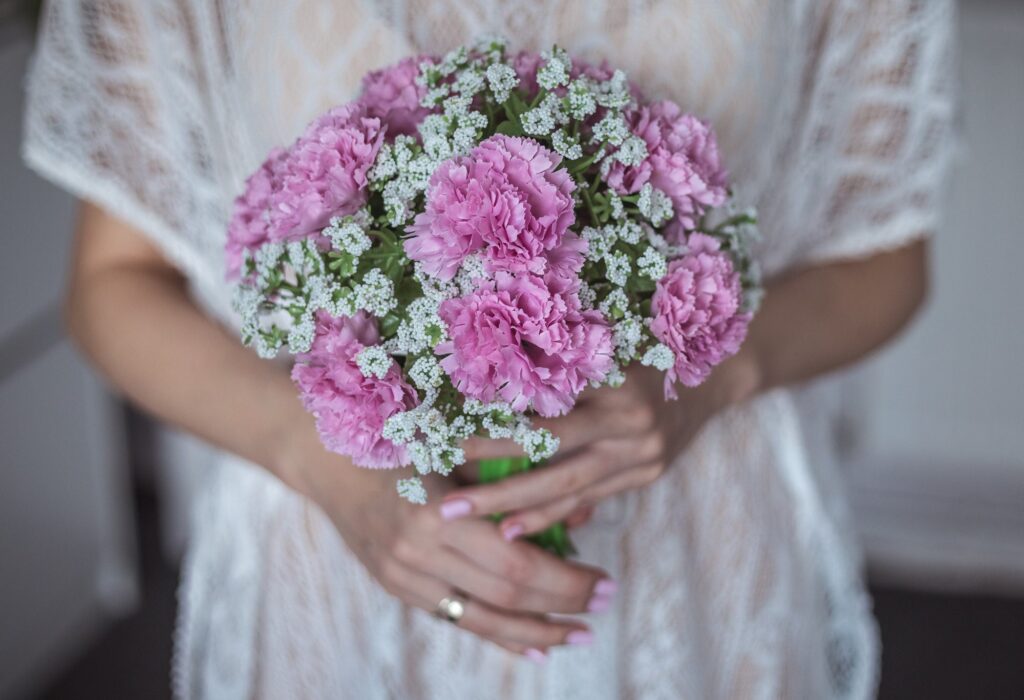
x=936, y=647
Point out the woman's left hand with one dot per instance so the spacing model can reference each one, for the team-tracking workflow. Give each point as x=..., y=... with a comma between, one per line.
x=612, y=441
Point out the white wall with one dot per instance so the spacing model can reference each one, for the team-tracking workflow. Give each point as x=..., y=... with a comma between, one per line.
x=939, y=477
x=66, y=548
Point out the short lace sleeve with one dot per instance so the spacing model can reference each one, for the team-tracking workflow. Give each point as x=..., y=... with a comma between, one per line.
x=881, y=124
x=117, y=113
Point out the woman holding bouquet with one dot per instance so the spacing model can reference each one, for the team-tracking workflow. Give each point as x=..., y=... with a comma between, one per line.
x=715, y=553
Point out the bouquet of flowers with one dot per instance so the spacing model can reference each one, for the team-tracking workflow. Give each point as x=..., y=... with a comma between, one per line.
x=478, y=238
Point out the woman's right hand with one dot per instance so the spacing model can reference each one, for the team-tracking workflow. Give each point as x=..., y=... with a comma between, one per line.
x=420, y=557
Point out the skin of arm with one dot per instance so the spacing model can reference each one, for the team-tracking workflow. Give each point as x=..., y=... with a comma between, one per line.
x=131, y=313
x=813, y=320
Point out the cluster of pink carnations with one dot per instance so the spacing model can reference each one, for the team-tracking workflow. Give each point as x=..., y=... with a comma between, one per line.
x=477, y=239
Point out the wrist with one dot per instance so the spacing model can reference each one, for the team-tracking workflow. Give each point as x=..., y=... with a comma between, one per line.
x=736, y=380
x=297, y=452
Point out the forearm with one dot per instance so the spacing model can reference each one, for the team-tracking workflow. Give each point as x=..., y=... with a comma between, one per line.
x=133, y=316
x=822, y=318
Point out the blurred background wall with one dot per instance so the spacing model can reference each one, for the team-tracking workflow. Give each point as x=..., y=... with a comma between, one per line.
x=937, y=469
x=936, y=449
x=67, y=562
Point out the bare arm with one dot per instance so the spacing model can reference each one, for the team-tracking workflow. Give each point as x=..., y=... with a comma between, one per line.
x=813, y=321
x=822, y=318
x=131, y=313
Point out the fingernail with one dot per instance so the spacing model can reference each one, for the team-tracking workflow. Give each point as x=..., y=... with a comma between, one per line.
x=455, y=508
x=606, y=587
x=599, y=603
x=535, y=655
x=580, y=637
x=512, y=531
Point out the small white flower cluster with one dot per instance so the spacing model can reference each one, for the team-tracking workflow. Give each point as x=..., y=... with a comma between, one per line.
x=348, y=236
x=615, y=304
x=412, y=490
x=374, y=361
x=613, y=130
x=652, y=264
x=655, y=205
x=401, y=172
x=587, y=296
x=738, y=232
x=274, y=307
x=614, y=93
x=375, y=294
x=582, y=102
x=633, y=151
x=431, y=441
x=618, y=268
x=554, y=71
x=470, y=273
x=502, y=80
x=421, y=329
x=566, y=145
x=628, y=334
x=659, y=356
x=599, y=241
x=426, y=373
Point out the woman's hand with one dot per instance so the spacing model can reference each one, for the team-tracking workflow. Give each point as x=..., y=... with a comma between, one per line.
x=612, y=441
x=420, y=558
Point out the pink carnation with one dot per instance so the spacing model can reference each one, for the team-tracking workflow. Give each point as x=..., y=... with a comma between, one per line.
x=324, y=173
x=682, y=161
x=297, y=191
x=248, y=227
x=508, y=197
x=525, y=340
x=351, y=409
x=696, y=312
x=393, y=96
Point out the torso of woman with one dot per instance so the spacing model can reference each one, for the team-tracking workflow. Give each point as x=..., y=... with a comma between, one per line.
x=737, y=575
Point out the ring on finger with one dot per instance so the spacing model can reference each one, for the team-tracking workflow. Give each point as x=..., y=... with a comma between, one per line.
x=451, y=608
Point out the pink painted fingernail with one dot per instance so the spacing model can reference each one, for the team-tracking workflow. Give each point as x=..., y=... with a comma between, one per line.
x=580, y=637
x=455, y=509
x=535, y=655
x=599, y=603
x=512, y=531
x=606, y=587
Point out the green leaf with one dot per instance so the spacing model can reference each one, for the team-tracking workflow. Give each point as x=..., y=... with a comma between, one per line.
x=509, y=128
x=389, y=324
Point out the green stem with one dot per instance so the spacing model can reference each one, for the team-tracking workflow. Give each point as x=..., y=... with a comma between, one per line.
x=556, y=538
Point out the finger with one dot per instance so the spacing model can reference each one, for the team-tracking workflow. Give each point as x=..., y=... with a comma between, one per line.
x=464, y=574
x=579, y=517
x=533, y=488
x=516, y=632
x=572, y=474
x=585, y=424
x=538, y=519
x=564, y=586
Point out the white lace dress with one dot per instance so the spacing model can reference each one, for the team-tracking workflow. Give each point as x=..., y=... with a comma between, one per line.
x=737, y=575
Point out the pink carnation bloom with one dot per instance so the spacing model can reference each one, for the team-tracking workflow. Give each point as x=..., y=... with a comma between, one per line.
x=508, y=196
x=324, y=172
x=296, y=191
x=525, y=340
x=247, y=229
x=696, y=312
x=682, y=161
x=351, y=409
x=392, y=95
